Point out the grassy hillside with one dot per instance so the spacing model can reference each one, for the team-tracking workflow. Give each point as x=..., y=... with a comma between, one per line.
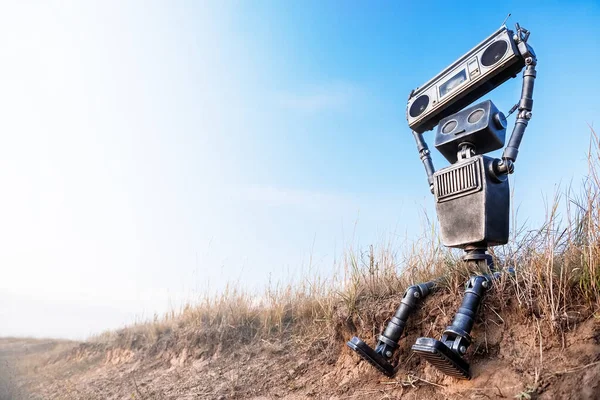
x=538, y=334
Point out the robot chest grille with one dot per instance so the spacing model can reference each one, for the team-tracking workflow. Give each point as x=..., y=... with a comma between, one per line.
x=458, y=181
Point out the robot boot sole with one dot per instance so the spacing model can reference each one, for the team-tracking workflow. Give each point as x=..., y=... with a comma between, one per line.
x=369, y=355
x=442, y=358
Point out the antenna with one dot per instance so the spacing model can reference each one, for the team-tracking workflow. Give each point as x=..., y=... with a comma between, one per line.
x=505, y=19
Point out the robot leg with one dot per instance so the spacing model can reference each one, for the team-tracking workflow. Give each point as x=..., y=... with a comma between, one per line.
x=388, y=341
x=447, y=353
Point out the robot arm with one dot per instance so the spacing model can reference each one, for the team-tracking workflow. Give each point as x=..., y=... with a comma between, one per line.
x=525, y=105
x=425, y=156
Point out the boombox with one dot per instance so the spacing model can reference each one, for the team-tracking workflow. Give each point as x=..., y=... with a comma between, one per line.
x=485, y=67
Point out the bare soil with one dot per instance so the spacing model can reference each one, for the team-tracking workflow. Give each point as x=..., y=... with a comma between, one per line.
x=514, y=355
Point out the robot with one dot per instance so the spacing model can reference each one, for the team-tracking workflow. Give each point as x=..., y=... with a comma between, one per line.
x=472, y=196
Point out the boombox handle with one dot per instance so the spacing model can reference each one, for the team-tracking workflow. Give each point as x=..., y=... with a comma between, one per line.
x=524, y=106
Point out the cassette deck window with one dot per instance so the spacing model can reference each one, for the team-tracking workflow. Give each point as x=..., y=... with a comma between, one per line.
x=453, y=82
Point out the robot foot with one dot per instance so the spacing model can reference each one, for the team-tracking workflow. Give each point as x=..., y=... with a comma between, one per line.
x=442, y=357
x=370, y=355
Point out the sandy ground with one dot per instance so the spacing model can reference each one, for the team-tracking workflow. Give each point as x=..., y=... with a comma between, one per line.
x=510, y=359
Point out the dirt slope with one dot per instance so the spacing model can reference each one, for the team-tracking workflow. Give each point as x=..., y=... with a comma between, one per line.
x=513, y=356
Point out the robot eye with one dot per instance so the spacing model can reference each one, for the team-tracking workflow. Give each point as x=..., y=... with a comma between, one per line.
x=475, y=116
x=449, y=126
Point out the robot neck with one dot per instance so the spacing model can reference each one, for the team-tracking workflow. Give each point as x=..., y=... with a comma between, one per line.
x=465, y=150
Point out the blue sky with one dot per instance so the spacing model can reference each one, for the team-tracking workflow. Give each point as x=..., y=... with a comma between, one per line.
x=153, y=151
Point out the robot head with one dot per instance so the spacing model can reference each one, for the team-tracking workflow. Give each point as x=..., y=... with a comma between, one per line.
x=481, y=126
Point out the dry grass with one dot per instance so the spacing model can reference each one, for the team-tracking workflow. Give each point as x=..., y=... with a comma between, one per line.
x=557, y=280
